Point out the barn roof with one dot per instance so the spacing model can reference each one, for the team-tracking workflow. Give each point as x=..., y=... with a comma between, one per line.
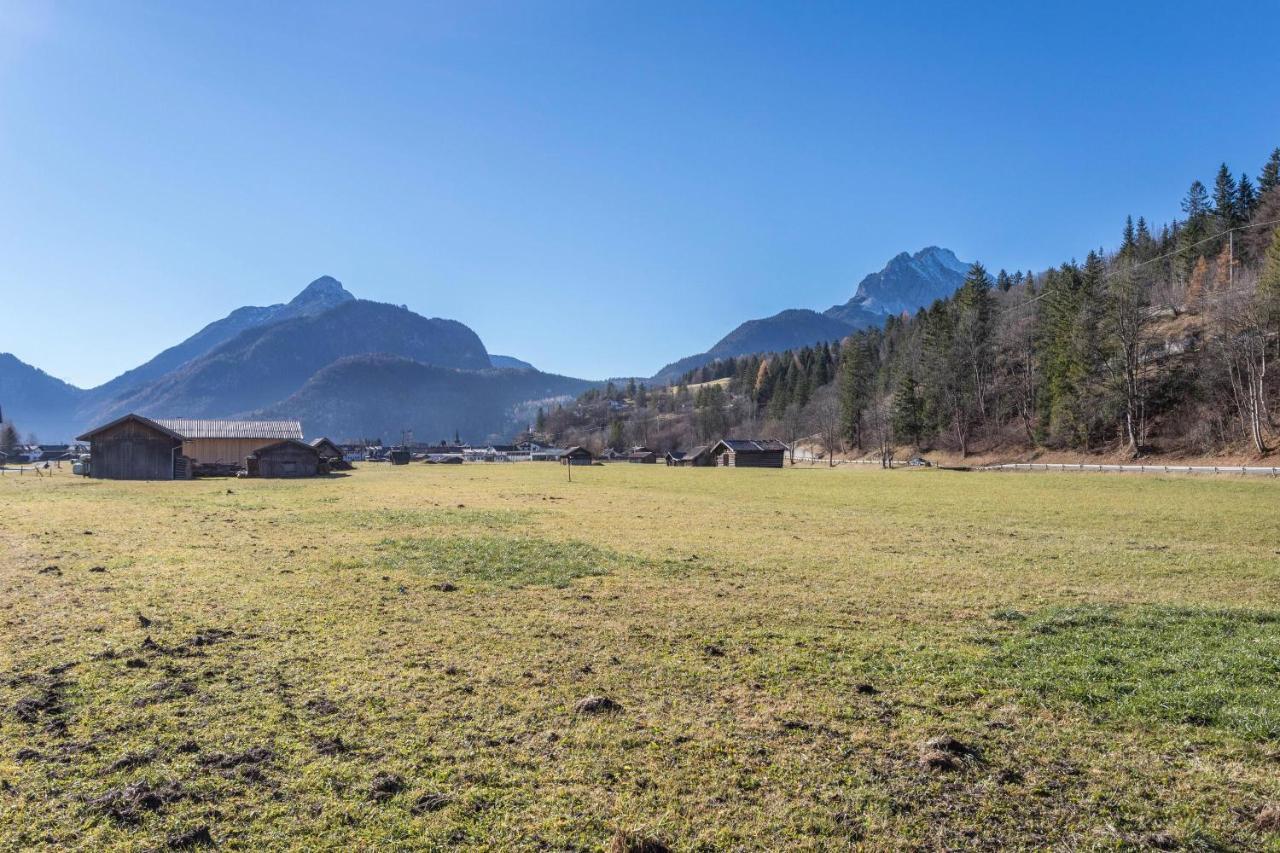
x=753, y=445
x=159, y=426
x=193, y=428
x=288, y=442
x=695, y=452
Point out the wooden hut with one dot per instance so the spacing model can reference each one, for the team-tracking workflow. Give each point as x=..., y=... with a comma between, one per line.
x=223, y=443
x=399, y=456
x=577, y=456
x=287, y=458
x=697, y=457
x=326, y=448
x=136, y=448
x=749, y=453
x=642, y=455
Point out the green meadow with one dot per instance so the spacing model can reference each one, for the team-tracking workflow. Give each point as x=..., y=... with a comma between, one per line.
x=398, y=658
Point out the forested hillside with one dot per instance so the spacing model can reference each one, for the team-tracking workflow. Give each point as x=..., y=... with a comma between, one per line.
x=1160, y=345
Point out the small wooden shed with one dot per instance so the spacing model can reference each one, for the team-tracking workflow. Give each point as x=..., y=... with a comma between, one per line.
x=642, y=455
x=749, y=453
x=326, y=448
x=577, y=456
x=697, y=457
x=288, y=458
x=136, y=448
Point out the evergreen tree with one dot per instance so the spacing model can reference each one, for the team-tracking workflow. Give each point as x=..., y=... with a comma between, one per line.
x=1225, y=201
x=540, y=423
x=857, y=371
x=1130, y=241
x=8, y=438
x=1003, y=281
x=1195, y=204
x=1246, y=198
x=908, y=409
x=1269, y=179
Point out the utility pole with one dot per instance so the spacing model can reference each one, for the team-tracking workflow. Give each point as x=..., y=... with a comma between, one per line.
x=1231, y=257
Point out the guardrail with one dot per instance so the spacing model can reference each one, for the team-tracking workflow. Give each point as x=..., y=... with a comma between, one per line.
x=1269, y=471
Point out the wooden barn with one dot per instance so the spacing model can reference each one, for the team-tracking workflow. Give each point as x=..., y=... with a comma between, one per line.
x=326, y=448
x=287, y=458
x=224, y=442
x=698, y=457
x=749, y=453
x=642, y=455
x=674, y=457
x=577, y=456
x=136, y=448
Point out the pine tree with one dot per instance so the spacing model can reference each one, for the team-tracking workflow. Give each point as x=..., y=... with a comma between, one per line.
x=1129, y=242
x=856, y=373
x=1195, y=203
x=1269, y=179
x=1246, y=198
x=1225, y=201
x=1003, y=281
x=908, y=409
x=8, y=438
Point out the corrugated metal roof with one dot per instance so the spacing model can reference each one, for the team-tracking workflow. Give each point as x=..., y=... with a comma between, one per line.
x=193, y=428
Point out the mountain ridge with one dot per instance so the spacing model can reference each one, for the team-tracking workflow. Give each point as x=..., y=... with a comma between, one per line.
x=907, y=282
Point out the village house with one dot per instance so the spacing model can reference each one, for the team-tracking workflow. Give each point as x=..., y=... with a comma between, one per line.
x=749, y=453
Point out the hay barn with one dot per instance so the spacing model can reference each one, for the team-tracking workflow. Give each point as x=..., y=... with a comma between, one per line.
x=136, y=448
x=642, y=455
x=284, y=459
x=577, y=456
x=225, y=442
x=698, y=457
x=749, y=453
x=326, y=448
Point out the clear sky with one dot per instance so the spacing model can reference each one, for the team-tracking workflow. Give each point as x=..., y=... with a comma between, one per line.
x=598, y=188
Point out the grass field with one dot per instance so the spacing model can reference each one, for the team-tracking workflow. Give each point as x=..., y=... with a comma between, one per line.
x=394, y=659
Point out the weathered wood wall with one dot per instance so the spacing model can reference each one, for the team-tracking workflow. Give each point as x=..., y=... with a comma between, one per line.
x=223, y=450
x=132, y=451
x=288, y=460
x=765, y=459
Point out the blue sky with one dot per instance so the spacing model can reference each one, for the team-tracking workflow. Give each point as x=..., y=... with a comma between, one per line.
x=598, y=188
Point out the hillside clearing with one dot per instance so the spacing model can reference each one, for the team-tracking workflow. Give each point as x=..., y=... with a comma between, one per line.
x=490, y=656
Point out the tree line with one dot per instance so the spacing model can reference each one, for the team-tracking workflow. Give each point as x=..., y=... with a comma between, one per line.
x=1161, y=344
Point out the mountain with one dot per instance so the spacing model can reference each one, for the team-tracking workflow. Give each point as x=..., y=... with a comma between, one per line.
x=340, y=364
x=263, y=365
x=906, y=283
x=35, y=401
x=795, y=327
x=509, y=361
x=380, y=395
x=317, y=297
